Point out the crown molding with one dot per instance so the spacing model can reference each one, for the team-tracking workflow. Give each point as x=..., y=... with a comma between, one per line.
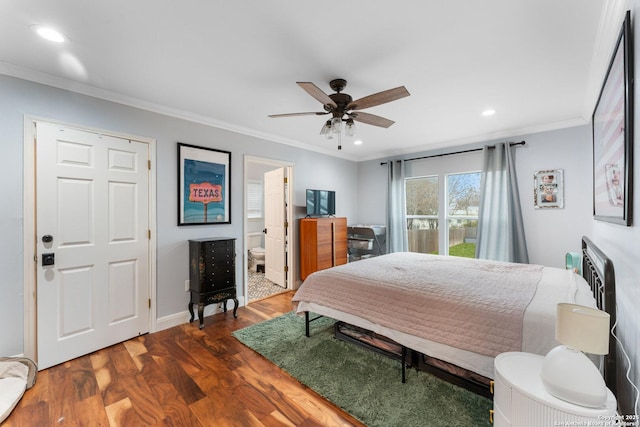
x=476, y=139
x=106, y=95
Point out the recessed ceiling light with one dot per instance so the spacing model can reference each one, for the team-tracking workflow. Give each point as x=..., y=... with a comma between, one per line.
x=489, y=112
x=49, y=33
x=357, y=142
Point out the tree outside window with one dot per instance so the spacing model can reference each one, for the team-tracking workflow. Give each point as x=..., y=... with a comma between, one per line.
x=463, y=201
x=422, y=214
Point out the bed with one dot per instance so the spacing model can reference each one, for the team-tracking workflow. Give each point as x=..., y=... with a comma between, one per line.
x=458, y=313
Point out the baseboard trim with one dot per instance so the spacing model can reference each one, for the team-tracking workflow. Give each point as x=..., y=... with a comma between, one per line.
x=183, y=317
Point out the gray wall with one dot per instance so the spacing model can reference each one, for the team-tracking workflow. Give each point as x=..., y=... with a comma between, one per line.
x=621, y=244
x=20, y=98
x=550, y=232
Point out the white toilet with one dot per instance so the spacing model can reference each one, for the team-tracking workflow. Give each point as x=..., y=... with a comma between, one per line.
x=257, y=258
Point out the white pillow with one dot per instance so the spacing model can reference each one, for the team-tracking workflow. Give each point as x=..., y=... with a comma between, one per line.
x=13, y=383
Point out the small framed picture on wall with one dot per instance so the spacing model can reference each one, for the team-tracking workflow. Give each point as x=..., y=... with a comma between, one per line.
x=548, y=189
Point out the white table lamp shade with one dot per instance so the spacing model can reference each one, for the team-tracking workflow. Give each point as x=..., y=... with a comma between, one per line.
x=583, y=328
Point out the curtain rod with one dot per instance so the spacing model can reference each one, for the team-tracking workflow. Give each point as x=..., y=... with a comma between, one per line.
x=455, y=152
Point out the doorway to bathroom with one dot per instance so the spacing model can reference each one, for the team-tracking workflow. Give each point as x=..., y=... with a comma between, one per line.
x=268, y=192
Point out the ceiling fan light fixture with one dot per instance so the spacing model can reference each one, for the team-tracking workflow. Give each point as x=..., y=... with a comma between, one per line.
x=336, y=125
x=350, y=128
x=326, y=128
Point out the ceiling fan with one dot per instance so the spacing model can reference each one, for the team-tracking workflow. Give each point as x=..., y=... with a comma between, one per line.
x=344, y=109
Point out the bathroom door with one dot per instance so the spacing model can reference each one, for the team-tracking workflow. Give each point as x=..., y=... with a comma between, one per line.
x=275, y=221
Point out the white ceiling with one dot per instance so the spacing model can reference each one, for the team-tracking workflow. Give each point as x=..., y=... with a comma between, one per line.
x=538, y=63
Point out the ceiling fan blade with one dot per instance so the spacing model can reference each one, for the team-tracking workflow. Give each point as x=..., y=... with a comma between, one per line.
x=378, y=98
x=318, y=113
x=371, y=119
x=317, y=93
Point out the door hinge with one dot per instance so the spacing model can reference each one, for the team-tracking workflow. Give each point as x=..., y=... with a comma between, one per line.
x=149, y=234
x=286, y=224
x=286, y=268
x=149, y=164
x=149, y=300
x=286, y=180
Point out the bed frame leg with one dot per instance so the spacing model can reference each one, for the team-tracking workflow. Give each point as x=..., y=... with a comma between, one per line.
x=306, y=323
x=403, y=362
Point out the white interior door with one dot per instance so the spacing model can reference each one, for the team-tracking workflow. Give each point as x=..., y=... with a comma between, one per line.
x=274, y=221
x=92, y=226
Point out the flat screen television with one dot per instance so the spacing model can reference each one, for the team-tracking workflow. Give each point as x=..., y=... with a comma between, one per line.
x=321, y=202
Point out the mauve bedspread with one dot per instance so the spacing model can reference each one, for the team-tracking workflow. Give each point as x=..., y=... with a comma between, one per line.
x=471, y=304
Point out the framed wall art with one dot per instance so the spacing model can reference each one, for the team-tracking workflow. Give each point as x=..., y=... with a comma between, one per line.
x=612, y=124
x=204, y=186
x=548, y=189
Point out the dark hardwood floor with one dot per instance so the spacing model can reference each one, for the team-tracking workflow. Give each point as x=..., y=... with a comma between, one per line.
x=181, y=376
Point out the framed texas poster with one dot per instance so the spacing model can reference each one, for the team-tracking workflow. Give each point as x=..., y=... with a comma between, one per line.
x=204, y=185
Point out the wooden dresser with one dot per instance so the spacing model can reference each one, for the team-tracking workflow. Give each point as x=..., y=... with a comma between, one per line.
x=323, y=244
x=212, y=274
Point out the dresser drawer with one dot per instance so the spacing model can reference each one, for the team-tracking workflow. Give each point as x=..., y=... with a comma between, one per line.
x=499, y=420
x=502, y=398
x=216, y=296
x=217, y=283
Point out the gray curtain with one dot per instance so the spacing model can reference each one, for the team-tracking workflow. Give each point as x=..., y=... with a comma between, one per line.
x=396, y=206
x=500, y=227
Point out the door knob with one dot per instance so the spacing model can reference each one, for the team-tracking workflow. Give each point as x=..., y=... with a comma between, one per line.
x=47, y=238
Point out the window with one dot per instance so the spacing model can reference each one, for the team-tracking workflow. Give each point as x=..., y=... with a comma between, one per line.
x=422, y=214
x=456, y=205
x=254, y=199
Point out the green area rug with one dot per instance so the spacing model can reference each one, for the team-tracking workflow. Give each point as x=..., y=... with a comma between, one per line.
x=365, y=384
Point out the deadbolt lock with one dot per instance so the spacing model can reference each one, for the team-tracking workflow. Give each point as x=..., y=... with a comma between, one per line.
x=48, y=259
